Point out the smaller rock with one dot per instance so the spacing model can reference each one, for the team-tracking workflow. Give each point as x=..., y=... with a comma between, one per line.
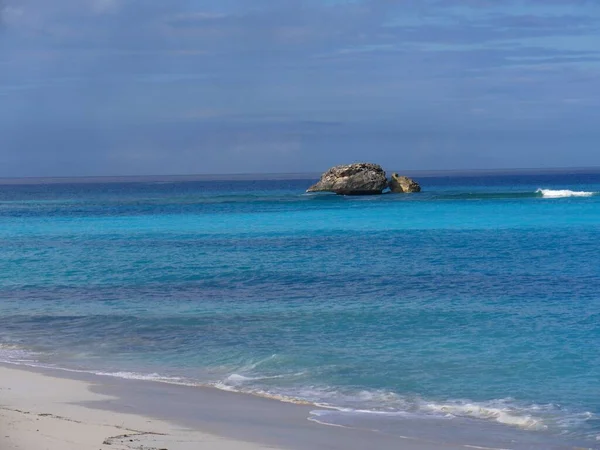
x=403, y=185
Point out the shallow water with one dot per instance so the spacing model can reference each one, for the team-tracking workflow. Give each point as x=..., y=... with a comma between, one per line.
x=477, y=299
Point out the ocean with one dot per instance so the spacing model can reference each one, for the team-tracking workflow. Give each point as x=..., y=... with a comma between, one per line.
x=477, y=300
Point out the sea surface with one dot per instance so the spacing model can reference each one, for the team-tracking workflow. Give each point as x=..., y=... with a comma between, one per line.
x=477, y=300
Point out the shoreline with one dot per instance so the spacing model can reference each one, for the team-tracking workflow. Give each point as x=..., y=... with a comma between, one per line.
x=89, y=410
x=38, y=410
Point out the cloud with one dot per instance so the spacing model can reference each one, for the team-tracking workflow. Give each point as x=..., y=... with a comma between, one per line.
x=486, y=4
x=105, y=6
x=9, y=14
x=222, y=80
x=296, y=28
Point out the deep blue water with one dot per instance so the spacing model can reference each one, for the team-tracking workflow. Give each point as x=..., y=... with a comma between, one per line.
x=478, y=298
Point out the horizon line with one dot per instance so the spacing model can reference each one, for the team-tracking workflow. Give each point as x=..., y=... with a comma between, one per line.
x=265, y=176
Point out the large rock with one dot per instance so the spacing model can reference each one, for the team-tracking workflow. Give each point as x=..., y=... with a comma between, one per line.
x=352, y=179
x=403, y=185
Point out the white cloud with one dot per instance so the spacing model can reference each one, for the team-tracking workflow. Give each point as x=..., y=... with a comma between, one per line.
x=10, y=14
x=105, y=6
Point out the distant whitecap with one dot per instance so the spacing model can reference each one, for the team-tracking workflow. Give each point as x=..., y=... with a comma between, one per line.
x=563, y=193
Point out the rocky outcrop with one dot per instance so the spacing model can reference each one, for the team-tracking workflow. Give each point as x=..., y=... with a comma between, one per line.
x=352, y=179
x=403, y=185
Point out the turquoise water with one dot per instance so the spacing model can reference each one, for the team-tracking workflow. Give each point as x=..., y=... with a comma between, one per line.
x=479, y=298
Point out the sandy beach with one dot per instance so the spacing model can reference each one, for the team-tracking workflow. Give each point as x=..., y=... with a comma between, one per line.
x=41, y=412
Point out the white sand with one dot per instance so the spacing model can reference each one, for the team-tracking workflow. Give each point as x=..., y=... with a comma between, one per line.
x=39, y=412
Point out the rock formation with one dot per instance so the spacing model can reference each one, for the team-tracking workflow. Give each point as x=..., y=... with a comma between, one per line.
x=352, y=179
x=403, y=184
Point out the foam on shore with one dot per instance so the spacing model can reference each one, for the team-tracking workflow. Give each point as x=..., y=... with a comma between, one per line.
x=329, y=400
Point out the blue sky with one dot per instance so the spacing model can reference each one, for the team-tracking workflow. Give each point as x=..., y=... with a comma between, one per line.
x=117, y=87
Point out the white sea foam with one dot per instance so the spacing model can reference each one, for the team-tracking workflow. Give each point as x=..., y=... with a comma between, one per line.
x=140, y=376
x=505, y=415
x=239, y=379
x=389, y=404
x=10, y=353
x=519, y=418
x=312, y=419
x=563, y=193
x=384, y=403
x=508, y=412
x=255, y=364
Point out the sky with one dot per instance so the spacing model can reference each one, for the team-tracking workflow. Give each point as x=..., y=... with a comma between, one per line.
x=150, y=87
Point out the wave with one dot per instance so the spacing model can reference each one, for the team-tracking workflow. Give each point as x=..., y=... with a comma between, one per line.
x=12, y=353
x=507, y=414
x=500, y=411
x=550, y=419
x=531, y=417
x=563, y=193
x=331, y=401
x=141, y=377
x=240, y=379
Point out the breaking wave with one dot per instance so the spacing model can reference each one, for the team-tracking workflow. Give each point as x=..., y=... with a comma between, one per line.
x=563, y=193
x=15, y=354
x=331, y=402
x=505, y=414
